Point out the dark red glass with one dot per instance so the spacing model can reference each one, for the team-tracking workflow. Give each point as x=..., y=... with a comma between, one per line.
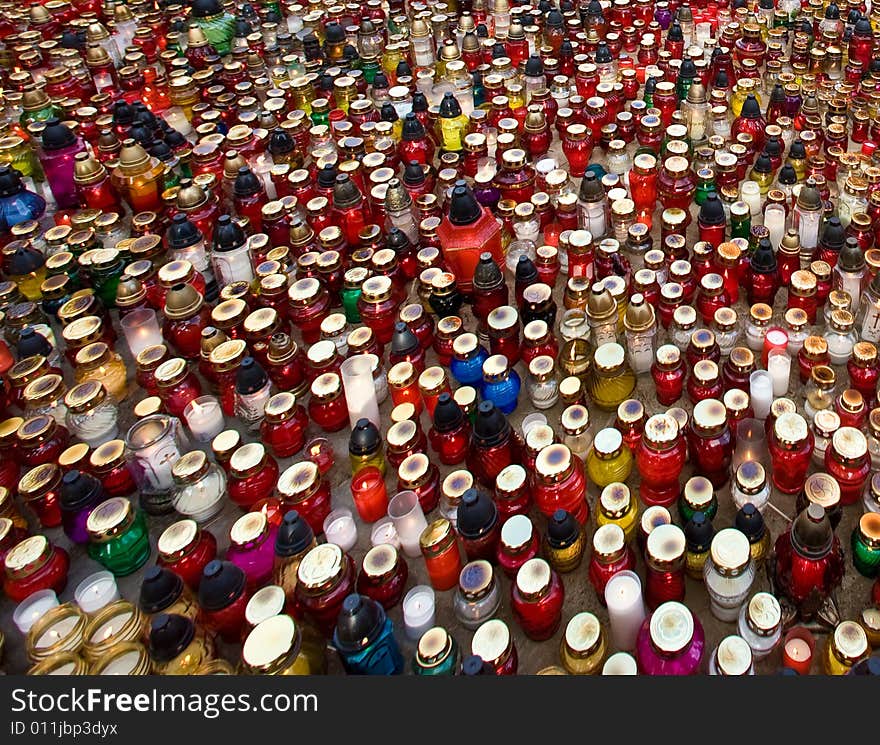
x=510, y=560
x=51, y=575
x=227, y=622
x=285, y=437
x=851, y=474
x=322, y=606
x=388, y=589
x=246, y=488
x=790, y=462
x=660, y=466
x=603, y=568
x=189, y=562
x=669, y=381
x=539, y=615
x=185, y=334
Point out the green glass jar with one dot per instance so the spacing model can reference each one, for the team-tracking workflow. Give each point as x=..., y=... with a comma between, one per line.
x=219, y=29
x=609, y=460
x=866, y=545
x=370, y=67
x=104, y=272
x=351, y=292
x=705, y=184
x=15, y=151
x=437, y=653
x=320, y=113
x=740, y=220
x=118, y=536
x=610, y=380
x=697, y=496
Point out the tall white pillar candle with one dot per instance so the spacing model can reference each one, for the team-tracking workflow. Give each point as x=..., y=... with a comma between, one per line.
x=360, y=392
x=626, y=609
x=761, y=393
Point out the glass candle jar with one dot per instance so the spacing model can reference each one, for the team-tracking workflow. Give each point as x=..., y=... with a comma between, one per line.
x=865, y=544
x=34, y=564
x=698, y=495
x=251, y=548
x=791, y=446
x=610, y=381
x=91, y=413
x=383, y=575
x=560, y=483
x=303, y=488
x=440, y=548
x=519, y=543
x=728, y=573
x=494, y=645
x=670, y=642
x=154, y=444
x=665, y=560
x=253, y=475
x=40, y=490
x=40, y=440
x=324, y=579
x=710, y=442
x=611, y=555
x=760, y=624
x=284, y=425
x=478, y=595
x=437, y=653
x=118, y=536
x=848, y=462
x=537, y=596
x=186, y=549
x=660, y=458
x=583, y=647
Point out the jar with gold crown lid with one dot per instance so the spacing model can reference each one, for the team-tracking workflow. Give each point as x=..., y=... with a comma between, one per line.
x=118, y=536
x=138, y=178
x=98, y=361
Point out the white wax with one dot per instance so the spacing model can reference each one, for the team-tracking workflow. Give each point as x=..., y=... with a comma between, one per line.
x=409, y=521
x=384, y=532
x=774, y=221
x=620, y=663
x=626, y=609
x=340, y=528
x=750, y=193
x=141, y=330
x=418, y=611
x=96, y=591
x=32, y=608
x=779, y=367
x=360, y=391
x=204, y=417
x=761, y=393
x=797, y=649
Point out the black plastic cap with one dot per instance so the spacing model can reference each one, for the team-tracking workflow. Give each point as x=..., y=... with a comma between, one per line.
x=57, y=135
x=832, y=12
x=79, y=490
x=412, y=128
x=250, y=377
x=161, y=150
x=228, y=234
x=122, y=112
x=698, y=533
x=403, y=340
x=281, y=142
x=675, y=33
x=294, y=535
x=562, y=530
x=10, y=180
x=763, y=260
x=591, y=188
x=750, y=521
x=763, y=164
x=863, y=27
x=787, y=175
x=359, y=623
x=464, y=209
x=30, y=342
x=534, y=66
x=721, y=80
x=526, y=271
x=222, y=582
x=554, y=18
x=449, y=106
x=688, y=69
x=751, y=109
x=345, y=192
x=388, y=113
x=403, y=69
x=327, y=176
x=246, y=183
x=182, y=232
x=334, y=33
x=419, y=102
x=834, y=234
x=206, y=8
x=413, y=173
x=170, y=634
x=159, y=589
x=797, y=150
x=498, y=50
x=380, y=82
x=397, y=241
x=603, y=53
x=490, y=426
x=851, y=259
x=487, y=274
x=242, y=28
x=476, y=515
x=773, y=148
x=365, y=438
x=447, y=413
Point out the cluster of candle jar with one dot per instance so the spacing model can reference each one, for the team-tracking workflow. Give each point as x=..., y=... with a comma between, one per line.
x=245, y=229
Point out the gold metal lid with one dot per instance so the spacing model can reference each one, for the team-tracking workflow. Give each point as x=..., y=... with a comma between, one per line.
x=109, y=519
x=666, y=543
x=491, y=640
x=583, y=633
x=502, y=318
x=671, y=627
x=761, y=313
x=298, y=479
x=554, y=460
x=457, y=483
x=270, y=641
x=710, y=413
x=85, y=396
x=247, y=457
x=190, y=465
x=850, y=641
x=764, y=613
x=433, y=647
x=698, y=493
x=226, y=442
x=615, y=500
x=609, y=356
x=608, y=540
x=733, y=656
x=380, y=560
x=661, y=429
x=320, y=565
x=401, y=433
x=706, y=371
x=533, y=577
x=436, y=534
x=790, y=428
x=736, y=401
x=26, y=556
x=822, y=489
x=327, y=385
x=751, y=477
x=413, y=468
x=850, y=443
x=730, y=550
x=149, y=406
x=176, y=538
x=248, y=528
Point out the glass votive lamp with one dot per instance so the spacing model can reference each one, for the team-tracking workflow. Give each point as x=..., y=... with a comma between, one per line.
x=405, y=511
x=33, y=608
x=204, y=417
x=96, y=591
x=141, y=330
x=340, y=528
x=369, y=494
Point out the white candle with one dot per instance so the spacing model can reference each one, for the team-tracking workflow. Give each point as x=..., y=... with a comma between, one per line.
x=626, y=609
x=384, y=532
x=774, y=221
x=779, y=367
x=141, y=330
x=409, y=521
x=418, y=611
x=620, y=663
x=797, y=649
x=761, y=393
x=32, y=608
x=750, y=193
x=360, y=391
x=96, y=591
x=204, y=417
x=340, y=528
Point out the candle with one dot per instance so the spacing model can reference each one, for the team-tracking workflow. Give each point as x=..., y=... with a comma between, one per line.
x=418, y=611
x=797, y=650
x=360, y=391
x=620, y=663
x=626, y=609
x=141, y=330
x=96, y=591
x=204, y=417
x=774, y=221
x=409, y=521
x=340, y=528
x=779, y=367
x=750, y=193
x=776, y=338
x=385, y=532
x=369, y=494
x=751, y=444
x=761, y=393
x=34, y=607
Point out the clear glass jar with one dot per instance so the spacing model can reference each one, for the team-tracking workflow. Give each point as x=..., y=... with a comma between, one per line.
x=750, y=485
x=820, y=391
x=478, y=595
x=732, y=656
x=728, y=573
x=797, y=328
x=199, y=487
x=684, y=323
x=760, y=624
x=825, y=423
x=757, y=325
x=577, y=434
x=840, y=337
x=542, y=384
x=91, y=414
x=726, y=329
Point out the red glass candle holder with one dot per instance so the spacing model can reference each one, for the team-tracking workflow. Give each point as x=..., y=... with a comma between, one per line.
x=798, y=647
x=369, y=494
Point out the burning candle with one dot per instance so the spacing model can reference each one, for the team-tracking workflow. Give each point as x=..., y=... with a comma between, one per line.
x=340, y=528
x=797, y=650
x=779, y=367
x=418, y=611
x=34, y=607
x=776, y=338
x=141, y=330
x=204, y=417
x=409, y=521
x=385, y=532
x=369, y=494
x=96, y=591
x=761, y=393
x=626, y=609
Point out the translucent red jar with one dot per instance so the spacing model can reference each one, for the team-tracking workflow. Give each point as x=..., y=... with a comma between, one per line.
x=383, y=575
x=178, y=386
x=660, y=458
x=704, y=382
x=665, y=565
x=864, y=372
x=419, y=475
x=813, y=353
x=40, y=440
x=378, y=307
x=503, y=325
x=610, y=555
x=791, y=447
x=710, y=442
x=253, y=474
x=325, y=577
x=309, y=305
x=848, y=462
x=186, y=549
x=536, y=599
x=283, y=430
x=223, y=598
x=40, y=490
x=513, y=493
x=448, y=329
x=560, y=483
x=32, y=565
x=403, y=385
x=676, y=183
x=737, y=369
x=327, y=407
x=442, y=554
x=146, y=363
x=519, y=543
x=186, y=315
x=668, y=373
x=303, y=488
x=433, y=383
